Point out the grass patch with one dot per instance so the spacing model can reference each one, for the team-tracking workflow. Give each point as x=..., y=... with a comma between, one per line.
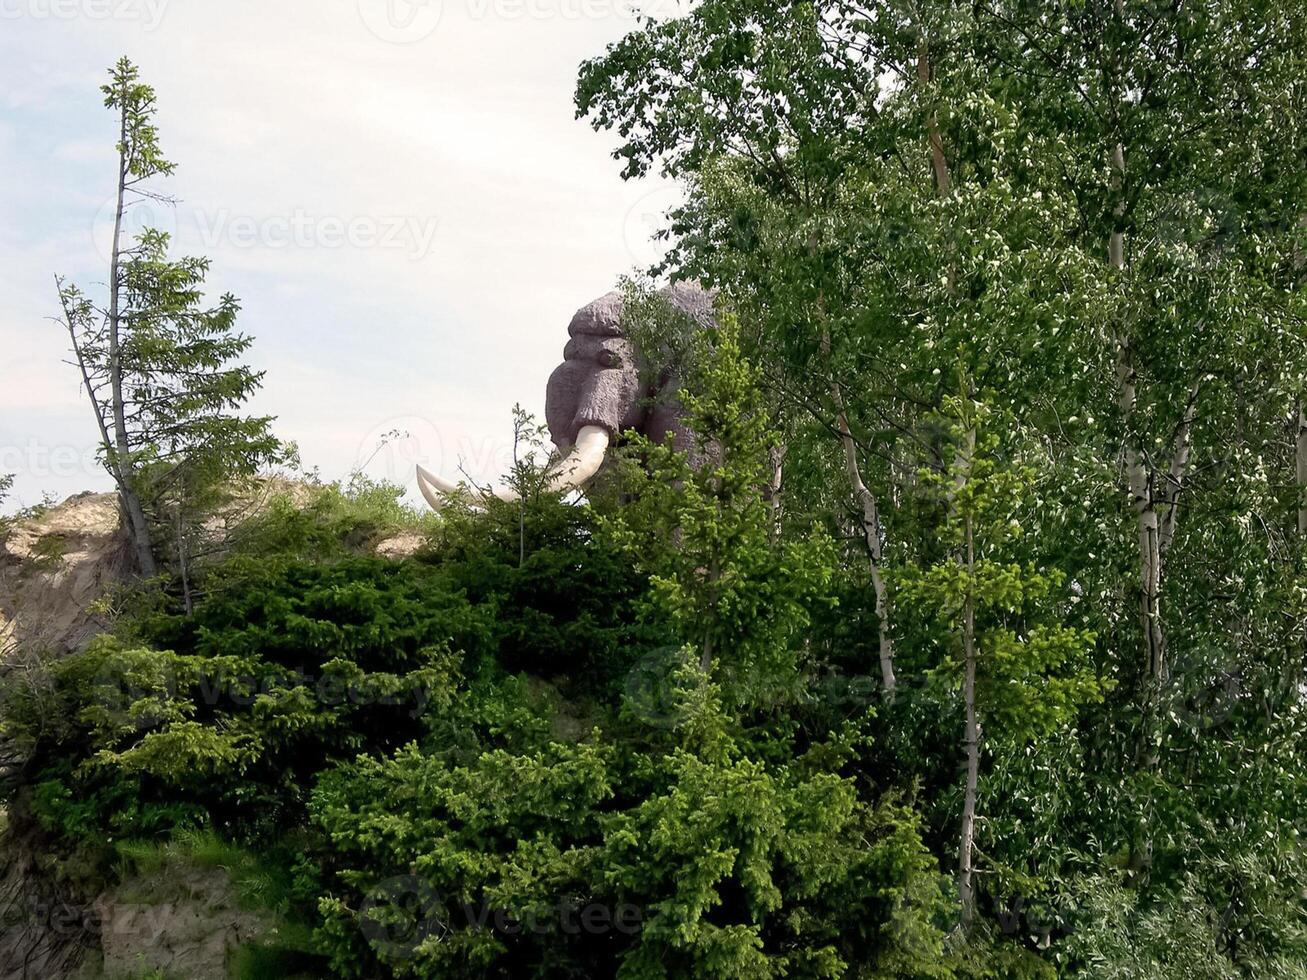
x=260, y=881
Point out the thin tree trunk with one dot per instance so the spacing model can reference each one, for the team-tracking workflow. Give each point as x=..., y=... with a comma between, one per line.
x=1302, y=468
x=105, y=439
x=871, y=532
x=1294, y=671
x=775, y=491
x=1143, y=498
x=521, y=500
x=971, y=739
x=182, y=563
x=133, y=512
x=871, y=528
x=1139, y=476
x=1300, y=447
x=938, y=161
x=1139, y=482
x=1183, y=448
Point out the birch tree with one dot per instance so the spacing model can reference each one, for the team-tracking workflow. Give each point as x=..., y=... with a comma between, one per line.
x=1109, y=265
x=991, y=616
x=756, y=108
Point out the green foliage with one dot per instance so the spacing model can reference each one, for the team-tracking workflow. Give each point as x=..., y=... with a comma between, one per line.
x=506, y=831
x=320, y=522
x=301, y=665
x=260, y=880
x=645, y=736
x=565, y=857
x=135, y=101
x=705, y=533
x=749, y=872
x=23, y=514
x=1033, y=672
x=560, y=600
x=159, y=363
x=523, y=817
x=887, y=193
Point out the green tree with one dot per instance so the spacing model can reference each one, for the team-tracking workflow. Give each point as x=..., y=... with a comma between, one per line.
x=157, y=363
x=991, y=617
x=887, y=191
x=697, y=521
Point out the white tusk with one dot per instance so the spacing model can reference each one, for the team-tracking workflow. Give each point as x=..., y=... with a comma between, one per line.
x=570, y=473
x=434, y=489
x=577, y=468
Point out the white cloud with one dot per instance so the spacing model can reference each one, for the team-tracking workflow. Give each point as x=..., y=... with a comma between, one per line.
x=274, y=111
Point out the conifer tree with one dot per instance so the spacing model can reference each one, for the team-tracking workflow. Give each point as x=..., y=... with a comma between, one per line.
x=705, y=533
x=158, y=363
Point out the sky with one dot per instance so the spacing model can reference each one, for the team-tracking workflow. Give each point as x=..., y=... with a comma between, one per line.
x=398, y=193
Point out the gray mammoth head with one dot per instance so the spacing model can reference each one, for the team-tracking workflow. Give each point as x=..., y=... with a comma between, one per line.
x=605, y=381
x=604, y=387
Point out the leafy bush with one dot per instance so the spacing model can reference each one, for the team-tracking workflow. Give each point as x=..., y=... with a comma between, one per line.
x=583, y=859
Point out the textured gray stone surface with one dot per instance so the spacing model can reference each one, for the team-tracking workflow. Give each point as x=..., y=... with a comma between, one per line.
x=604, y=380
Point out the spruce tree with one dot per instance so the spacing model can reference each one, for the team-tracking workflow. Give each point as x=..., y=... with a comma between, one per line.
x=158, y=362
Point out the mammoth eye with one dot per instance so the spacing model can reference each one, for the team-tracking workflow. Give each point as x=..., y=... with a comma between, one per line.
x=609, y=359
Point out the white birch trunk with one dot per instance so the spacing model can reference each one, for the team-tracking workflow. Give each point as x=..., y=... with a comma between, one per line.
x=971, y=737
x=1301, y=468
x=1139, y=475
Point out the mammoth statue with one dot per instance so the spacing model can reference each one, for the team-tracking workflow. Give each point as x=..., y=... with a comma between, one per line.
x=604, y=387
